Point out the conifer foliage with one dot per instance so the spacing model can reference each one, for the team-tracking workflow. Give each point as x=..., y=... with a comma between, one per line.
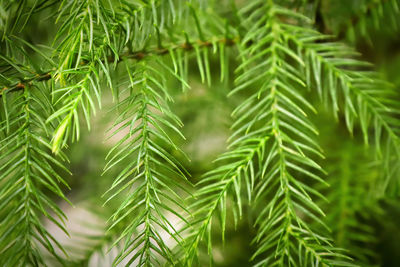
x=306, y=204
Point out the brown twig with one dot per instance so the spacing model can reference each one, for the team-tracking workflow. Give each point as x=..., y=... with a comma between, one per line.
x=23, y=83
x=137, y=55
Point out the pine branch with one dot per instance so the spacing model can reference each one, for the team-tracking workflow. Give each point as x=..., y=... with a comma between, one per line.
x=287, y=168
x=362, y=95
x=27, y=175
x=136, y=55
x=78, y=39
x=270, y=148
x=152, y=178
x=82, y=44
x=217, y=186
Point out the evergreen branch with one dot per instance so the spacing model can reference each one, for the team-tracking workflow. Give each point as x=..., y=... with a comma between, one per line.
x=26, y=83
x=216, y=187
x=287, y=169
x=364, y=96
x=265, y=124
x=152, y=201
x=27, y=175
x=78, y=33
x=147, y=17
x=88, y=17
x=137, y=55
